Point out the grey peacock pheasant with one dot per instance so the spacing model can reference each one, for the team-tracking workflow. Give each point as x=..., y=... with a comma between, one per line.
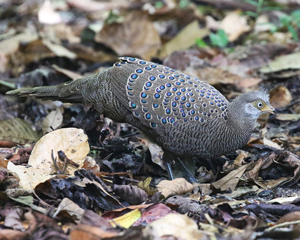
x=182, y=114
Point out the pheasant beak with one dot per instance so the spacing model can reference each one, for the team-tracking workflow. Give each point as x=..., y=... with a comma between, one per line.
x=268, y=109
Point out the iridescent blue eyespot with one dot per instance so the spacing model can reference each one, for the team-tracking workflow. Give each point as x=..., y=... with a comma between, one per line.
x=211, y=103
x=183, y=114
x=183, y=98
x=181, y=80
x=148, y=68
x=196, y=118
x=192, y=100
x=168, y=111
x=164, y=121
x=176, y=75
x=162, y=87
x=143, y=101
x=156, y=95
x=158, y=90
x=168, y=84
x=169, y=94
x=118, y=65
x=174, y=104
x=225, y=117
x=136, y=114
x=134, y=76
x=174, y=89
x=154, y=66
x=202, y=120
x=178, y=83
x=171, y=78
x=129, y=93
x=201, y=95
x=148, y=84
x=188, y=104
x=131, y=59
x=208, y=114
x=190, y=82
x=129, y=88
x=143, y=95
x=192, y=111
x=146, y=88
x=222, y=108
x=202, y=91
x=191, y=94
x=155, y=105
x=187, y=77
x=176, y=98
x=133, y=105
x=153, y=124
x=178, y=93
x=162, y=76
x=182, y=89
x=204, y=113
x=148, y=116
x=152, y=78
x=172, y=120
x=219, y=105
x=185, y=120
x=139, y=70
x=142, y=62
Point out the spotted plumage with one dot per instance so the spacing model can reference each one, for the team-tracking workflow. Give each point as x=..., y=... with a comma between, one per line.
x=184, y=115
x=160, y=95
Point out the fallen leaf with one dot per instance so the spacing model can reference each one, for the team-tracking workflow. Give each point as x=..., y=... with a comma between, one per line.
x=72, y=141
x=230, y=181
x=52, y=121
x=184, y=39
x=234, y=25
x=280, y=97
x=176, y=225
x=127, y=219
x=174, y=187
x=135, y=36
x=18, y=131
x=289, y=61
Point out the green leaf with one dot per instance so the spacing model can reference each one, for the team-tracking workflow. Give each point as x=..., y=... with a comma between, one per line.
x=183, y=3
x=200, y=43
x=219, y=39
x=293, y=32
x=296, y=15
x=285, y=20
x=252, y=2
x=251, y=14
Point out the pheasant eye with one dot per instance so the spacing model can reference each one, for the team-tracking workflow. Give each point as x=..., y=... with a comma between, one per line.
x=260, y=104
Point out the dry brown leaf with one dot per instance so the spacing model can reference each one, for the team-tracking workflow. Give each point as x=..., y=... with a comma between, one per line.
x=135, y=36
x=72, y=208
x=184, y=39
x=176, y=225
x=18, y=131
x=280, y=97
x=52, y=121
x=48, y=15
x=72, y=141
x=289, y=61
x=287, y=117
x=230, y=181
x=173, y=187
x=59, y=50
x=156, y=154
x=70, y=74
x=234, y=24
